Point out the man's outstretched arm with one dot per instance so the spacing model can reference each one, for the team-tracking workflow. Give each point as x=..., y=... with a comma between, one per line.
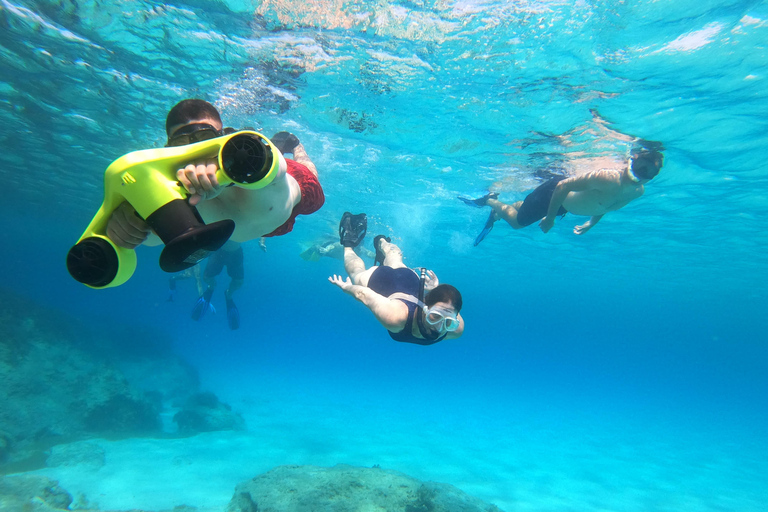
x=583, y=228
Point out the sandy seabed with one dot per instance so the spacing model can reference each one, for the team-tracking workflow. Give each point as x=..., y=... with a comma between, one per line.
x=519, y=456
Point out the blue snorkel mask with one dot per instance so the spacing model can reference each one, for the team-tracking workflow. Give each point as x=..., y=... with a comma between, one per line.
x=440, y=320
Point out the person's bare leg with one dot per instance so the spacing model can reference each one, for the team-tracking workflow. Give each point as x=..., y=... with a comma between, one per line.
x=210, y=281
x=300, y=155
x=508, y=212
x=353, y=265
x=393, y=256
x=234, y=285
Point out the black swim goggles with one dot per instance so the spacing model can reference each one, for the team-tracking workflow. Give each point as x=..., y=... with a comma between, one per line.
x=195, y=132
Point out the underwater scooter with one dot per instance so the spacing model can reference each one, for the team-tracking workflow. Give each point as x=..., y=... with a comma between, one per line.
x=147, y=180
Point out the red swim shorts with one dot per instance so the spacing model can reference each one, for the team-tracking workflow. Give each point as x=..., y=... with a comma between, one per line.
x=312, y=197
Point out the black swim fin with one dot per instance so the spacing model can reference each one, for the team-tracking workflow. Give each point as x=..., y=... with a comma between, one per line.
x=352, y=229
x=480, y=201
x=233, y=315
x=286, y=142
x=487, y=228
x=379, y=259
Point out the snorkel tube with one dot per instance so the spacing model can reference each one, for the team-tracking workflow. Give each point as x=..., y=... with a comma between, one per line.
x=147, y=180
x=429, y=335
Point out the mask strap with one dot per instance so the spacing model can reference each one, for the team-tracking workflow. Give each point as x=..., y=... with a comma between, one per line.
x=629, y=171
x=408, y=298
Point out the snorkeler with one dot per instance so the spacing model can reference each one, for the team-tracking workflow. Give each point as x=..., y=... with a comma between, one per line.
x=269, y=211
x=328, y=246
x=264, y=212
x=188, y=273
x=230, y=256
x=593, y=193
x=394, y=293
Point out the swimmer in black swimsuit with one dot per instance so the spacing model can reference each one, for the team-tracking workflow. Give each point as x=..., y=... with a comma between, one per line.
x=395, y=294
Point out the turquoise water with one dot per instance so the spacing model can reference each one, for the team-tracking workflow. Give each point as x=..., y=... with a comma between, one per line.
x=621, y=370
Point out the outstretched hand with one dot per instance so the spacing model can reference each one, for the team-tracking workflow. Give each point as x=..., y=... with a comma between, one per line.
x=583, y=228
x=344, y=284
x=430, y=281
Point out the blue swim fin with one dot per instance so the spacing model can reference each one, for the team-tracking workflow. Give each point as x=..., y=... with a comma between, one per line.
x=171, y=289
x=233, y=315
x=487, y=228
x=203, y=304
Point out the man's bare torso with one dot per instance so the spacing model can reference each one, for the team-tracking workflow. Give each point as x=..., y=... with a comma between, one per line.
x=255, y=212
x=606, y=190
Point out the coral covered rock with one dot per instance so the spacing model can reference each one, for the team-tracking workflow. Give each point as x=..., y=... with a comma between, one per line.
x=203, y=412
x=22, y=492
x=33, y=493
x=64, y=381
x=345, y=488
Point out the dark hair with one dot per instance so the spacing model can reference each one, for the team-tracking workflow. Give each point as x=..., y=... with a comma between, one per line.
x=186, y=111
x=651, y=162
x=444, y=293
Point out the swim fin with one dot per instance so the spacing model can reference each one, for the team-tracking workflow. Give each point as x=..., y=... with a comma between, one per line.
x=311, y=254
x=171, y=289
x=352, y=229
x=379, y=259
x=286, y=142
x=203, y=304
x=487, y=228
x=233, y=315
x=480, y=201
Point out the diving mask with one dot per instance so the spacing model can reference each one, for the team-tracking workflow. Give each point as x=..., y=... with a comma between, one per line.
x=441, y=319
x=631, y=172
x=195, y=132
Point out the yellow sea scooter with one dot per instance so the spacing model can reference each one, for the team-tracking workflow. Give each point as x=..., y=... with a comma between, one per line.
x=147, y=180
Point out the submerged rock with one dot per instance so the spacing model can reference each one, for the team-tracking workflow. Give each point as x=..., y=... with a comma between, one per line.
x=203, y=412
x=63, y=381
x=31, y=492
x=344, y=488
x=55, y=391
